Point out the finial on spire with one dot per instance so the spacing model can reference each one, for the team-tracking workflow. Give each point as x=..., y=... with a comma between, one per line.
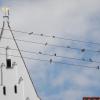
x=6, y=12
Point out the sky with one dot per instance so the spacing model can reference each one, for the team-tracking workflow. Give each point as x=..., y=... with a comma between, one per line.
x=74, y=19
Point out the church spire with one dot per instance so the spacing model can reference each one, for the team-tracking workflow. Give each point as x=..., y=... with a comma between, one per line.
x=16, y=83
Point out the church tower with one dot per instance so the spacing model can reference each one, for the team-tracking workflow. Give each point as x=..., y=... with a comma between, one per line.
x=15, y=81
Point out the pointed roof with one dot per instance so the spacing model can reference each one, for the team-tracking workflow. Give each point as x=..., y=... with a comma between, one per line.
x=19, y=75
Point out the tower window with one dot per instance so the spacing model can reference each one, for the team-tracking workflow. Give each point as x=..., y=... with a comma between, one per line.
x=4, y=90
x=15, y=89
x=8, y=63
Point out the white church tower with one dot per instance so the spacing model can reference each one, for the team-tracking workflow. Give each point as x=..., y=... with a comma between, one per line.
x=15, y=81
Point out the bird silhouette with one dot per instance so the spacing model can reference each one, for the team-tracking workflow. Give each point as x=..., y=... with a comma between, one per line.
x=50, y=61
x=30, y=33
x=82, y=50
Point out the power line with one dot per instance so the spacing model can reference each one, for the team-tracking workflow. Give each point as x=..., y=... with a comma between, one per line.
x=45, y=54
x=54, y=45
x=55, y=55
x=53, y=36
x=56, y=62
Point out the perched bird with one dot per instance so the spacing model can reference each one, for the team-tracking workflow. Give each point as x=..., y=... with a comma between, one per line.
x=53, y=36
x=40, y=52
x=55, y=54
x=68, y=46
x=46, y=44
x=98, y=67
x=30, y=33
x=50, y=61
x=82, y=50
x=90, y=60
x=83, y=59
x=41, y=34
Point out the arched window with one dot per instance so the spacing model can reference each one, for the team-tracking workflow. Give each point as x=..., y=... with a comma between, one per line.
x=4, y=90
x=15, y=89
x=8, y=63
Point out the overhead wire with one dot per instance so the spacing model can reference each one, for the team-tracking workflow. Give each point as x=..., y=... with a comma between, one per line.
x=54, y=45
x=53, y=36
x=61, y=46
x=55, y=55
x=56, y=62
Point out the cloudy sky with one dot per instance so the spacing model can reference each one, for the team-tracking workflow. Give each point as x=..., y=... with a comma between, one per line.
x=74, y=19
